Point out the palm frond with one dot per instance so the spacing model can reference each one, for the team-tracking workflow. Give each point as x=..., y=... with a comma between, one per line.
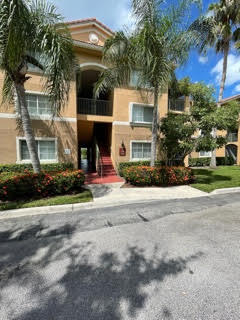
x=53, y=41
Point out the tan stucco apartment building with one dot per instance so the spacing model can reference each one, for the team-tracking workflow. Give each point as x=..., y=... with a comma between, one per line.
x=119, y=121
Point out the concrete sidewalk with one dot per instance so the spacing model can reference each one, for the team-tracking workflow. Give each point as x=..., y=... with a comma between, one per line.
x=110, y=195
x=114, y=193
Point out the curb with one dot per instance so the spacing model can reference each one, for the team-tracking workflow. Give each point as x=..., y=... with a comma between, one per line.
x=73, y=208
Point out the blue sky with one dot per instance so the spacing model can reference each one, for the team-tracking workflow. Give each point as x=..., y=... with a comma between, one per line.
x=116, y=14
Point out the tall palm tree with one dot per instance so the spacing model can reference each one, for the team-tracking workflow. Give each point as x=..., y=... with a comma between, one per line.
x=31, y=33
x=218, y=30
x=158, y=44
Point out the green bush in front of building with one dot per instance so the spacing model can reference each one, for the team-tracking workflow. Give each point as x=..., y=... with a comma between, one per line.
x=205, y=162
x=48, y=167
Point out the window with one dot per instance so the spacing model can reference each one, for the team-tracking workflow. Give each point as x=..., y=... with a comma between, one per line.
x=46, y=150
x=141, y=150
x=205, y=154
x=176, y=104
x=142, y=113
x=38, y=104
x=232, y=136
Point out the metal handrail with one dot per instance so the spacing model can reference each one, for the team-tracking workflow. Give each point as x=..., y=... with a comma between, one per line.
x=94, y=107
x=99, y=162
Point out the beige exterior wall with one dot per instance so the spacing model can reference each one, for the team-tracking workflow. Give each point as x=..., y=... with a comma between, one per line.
x=123, y=130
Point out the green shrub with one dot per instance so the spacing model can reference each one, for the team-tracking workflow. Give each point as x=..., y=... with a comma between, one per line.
x=32, y=185
x=205, y=162
x=158, y=176
x=49, y=167
x=124, y=165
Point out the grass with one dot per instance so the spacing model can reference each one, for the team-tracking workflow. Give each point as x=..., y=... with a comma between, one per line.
x=84, y=196
x=211, y=179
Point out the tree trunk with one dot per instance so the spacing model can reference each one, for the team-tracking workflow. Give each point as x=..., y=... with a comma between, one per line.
x=27, y=127
x=154, y=128
x=213, y=162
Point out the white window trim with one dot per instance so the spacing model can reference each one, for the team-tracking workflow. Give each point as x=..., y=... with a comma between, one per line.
x=43, y=116
x=205, y=156
x=131, y=115
x=19, y=160
x=138, y=141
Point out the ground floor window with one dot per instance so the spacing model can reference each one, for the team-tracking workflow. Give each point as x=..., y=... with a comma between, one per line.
x=141, y=150
x=47, y=150
x=205, y=154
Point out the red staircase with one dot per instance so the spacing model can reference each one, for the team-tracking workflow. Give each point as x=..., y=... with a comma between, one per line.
x=109, y=174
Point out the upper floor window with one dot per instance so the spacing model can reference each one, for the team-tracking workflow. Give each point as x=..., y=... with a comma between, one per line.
x=142, y=113
x=38, y=104
x=232, y=136
x=177, y=104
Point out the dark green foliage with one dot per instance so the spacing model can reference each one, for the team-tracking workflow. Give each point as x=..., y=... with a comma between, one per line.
x=158, y=176
x=124, y=165
x=180, y=130
x=50, y=167
x=32, y=185
x=205, y=162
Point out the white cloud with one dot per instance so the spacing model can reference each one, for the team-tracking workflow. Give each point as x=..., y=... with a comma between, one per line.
x=113, y=13
x=203, y=59
x=233, y=71
x=237, y=89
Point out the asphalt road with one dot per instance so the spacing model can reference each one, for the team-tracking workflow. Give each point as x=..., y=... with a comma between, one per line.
x=182, y=266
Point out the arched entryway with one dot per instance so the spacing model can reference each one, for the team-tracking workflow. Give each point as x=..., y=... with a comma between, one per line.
x=231, y=151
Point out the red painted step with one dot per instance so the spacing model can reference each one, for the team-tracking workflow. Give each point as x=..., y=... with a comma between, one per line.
x=109, y=174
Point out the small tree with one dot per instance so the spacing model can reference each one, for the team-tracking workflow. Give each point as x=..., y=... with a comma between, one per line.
x=184, y=133
x=32, y=33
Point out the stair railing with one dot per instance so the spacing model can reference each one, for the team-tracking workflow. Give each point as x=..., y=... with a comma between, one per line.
x=99, y=162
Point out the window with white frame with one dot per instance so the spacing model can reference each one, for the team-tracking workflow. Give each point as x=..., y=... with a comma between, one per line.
x=46, y=150
x=141, y=150
x=142, y=113
x=205, y=154
x=38, y=104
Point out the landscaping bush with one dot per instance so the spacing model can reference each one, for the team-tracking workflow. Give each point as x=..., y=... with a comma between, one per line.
x=32, y=185
x=49, y=167
x=158, y=176
x=124, y=165
x=205, y=162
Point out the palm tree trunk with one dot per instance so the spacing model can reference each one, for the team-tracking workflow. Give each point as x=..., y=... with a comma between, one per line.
x=213, y=162
x=154, y=128
x=27, y=127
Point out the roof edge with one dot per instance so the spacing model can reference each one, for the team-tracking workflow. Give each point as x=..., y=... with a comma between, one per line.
x=90, y=20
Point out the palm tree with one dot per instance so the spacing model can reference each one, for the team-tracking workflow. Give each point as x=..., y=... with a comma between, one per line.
x=31, y=33
x=218, y=29
x=158, y=44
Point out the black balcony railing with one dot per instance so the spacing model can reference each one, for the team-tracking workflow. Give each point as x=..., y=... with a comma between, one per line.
x=176, y=105
x=94, y=107
x=232, y=137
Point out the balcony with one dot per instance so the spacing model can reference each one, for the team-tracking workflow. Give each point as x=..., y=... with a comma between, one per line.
x=232, y=137
x=94, y=107
x=176, y=105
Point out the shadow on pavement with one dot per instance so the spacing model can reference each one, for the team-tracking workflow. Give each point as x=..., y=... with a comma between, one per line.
x=59, y=278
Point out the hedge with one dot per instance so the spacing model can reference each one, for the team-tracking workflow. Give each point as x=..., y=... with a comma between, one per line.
x=158, y=176
x=49, y=167
x=204, y=162
x=124, y=165
x=33, y=185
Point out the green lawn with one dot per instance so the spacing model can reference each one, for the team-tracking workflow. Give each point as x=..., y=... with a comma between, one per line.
x=223, y=177
x=84, y=196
